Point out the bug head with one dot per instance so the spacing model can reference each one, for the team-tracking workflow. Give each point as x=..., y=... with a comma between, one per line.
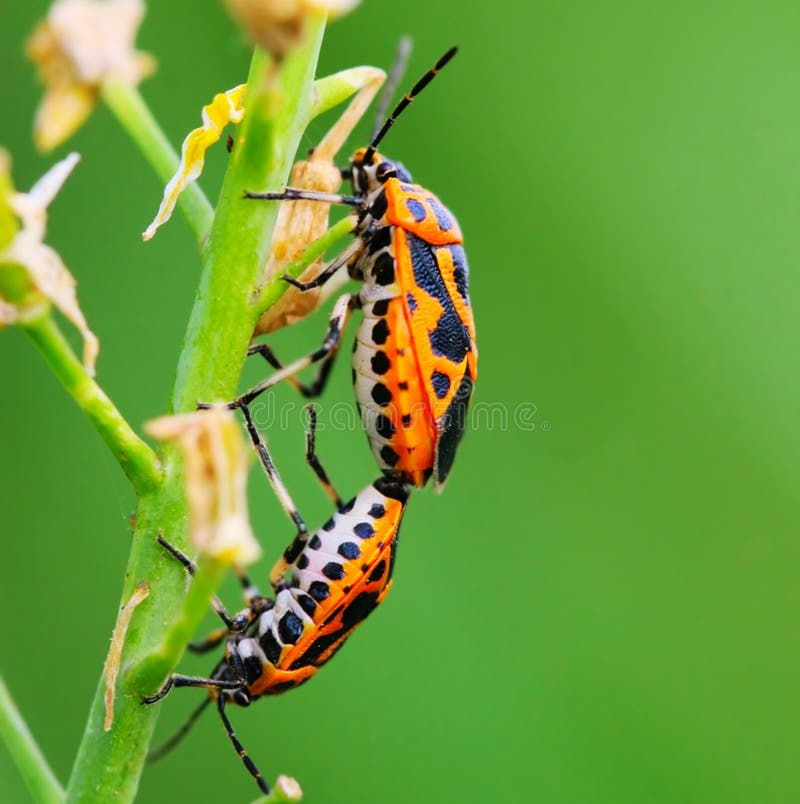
x=368, y=176
x=369, y=169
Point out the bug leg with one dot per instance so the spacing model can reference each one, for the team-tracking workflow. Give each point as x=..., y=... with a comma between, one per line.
x=248, y=763
x=311, y=391
x=333, y=337
x=210, y=642
x=295, y=194
x=346, y=257
x=314, y=462
x=178, y=680
x=293, y=551
x=236, y=623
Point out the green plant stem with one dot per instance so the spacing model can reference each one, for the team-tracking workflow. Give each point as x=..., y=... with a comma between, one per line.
x=137, y=460
x=135, y=117
x=27, y=755
x=274, y=289
x=109, y=765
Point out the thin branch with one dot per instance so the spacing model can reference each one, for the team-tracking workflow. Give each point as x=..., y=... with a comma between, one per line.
x=136, y=458
x=27, y=755
x=108, y=765
x=273, y=291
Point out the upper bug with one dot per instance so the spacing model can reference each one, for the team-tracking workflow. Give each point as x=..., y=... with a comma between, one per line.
x=415, y=357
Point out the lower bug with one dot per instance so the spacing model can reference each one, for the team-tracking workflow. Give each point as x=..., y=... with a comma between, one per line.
x=340, y=573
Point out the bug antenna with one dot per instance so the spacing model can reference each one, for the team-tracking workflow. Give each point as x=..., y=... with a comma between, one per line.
x=165, y=748
x=405, y=102
x=404, y=47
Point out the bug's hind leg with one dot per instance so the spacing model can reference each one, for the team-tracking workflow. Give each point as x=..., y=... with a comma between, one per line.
x=292, y=552
x=326, y=352
x=240, y=750
x=314, y=462
x=310, y=391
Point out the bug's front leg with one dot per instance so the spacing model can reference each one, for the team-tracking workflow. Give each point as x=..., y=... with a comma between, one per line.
x=295, y=194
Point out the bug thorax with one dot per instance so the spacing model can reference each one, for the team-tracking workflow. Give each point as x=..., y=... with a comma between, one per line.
x=366, y=177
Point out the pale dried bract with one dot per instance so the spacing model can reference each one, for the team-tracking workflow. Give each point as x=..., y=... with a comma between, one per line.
x=78, y=46
x=216, y=462
x=279, y=25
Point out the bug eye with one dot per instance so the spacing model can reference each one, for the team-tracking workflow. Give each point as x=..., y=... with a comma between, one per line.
x=385, y=170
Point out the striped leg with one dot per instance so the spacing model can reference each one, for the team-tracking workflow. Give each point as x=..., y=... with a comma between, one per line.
x=292, y=552
x=327, y=351
x=248, y=763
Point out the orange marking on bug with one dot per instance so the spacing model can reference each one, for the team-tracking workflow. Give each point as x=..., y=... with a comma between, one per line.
x=400, y=215
x=422, y=316
x=444, y=259
x=413, y=442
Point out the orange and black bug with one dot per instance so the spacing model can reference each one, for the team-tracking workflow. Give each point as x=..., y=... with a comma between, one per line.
x=415, y=356
x=340, y=574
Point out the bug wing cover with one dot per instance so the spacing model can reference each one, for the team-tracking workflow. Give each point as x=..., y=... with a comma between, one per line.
x=434, y=279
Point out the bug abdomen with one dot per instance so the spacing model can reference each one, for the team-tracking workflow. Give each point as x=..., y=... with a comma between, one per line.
x=394, y=406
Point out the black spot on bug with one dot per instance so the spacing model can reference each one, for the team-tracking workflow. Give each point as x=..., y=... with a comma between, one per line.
x=406, y=420
x=319, y=648
x=380, y=362
x=403, y=386
x=381, y=239
x=307, y=604
x=252, y=669
x=383, y=426
x=377, y=511
x=378, y=571
x=359, y=609
x=391, y=488
x=333, y=570
x=282, y=686
x=389, y=456
x=349, y=550
x=381, y=394
x=319, y=591
x=381, y=307
x=441, y=384
x=460, y=271
x=364, y=530
x=347, y=589
x=348, y=506
x=416, y=209
x=379, y=206
x=302, y=562
x=290, y=628
x=411, y=301
x=270, y=646
x=364, y=567
x=329, y=525
x=452, y=426
x=443, y=218
x=449, y=338
x=380, y=332
x=315, y=542
x=383, y=270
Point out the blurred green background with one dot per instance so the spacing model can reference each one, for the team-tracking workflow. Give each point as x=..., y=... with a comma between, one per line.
x=602, y=608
